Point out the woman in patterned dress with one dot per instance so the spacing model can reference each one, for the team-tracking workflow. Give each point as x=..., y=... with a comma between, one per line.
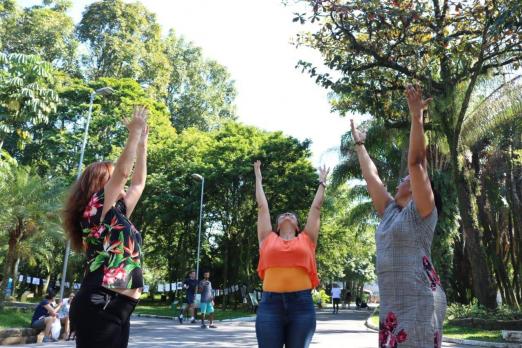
x=96, y=219
x=413, y=303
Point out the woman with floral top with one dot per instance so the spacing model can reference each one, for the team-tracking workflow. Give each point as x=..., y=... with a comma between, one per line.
x=96, y=219
x=412, y=301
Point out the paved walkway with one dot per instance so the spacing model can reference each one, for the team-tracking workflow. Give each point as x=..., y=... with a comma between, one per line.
x=342, y=330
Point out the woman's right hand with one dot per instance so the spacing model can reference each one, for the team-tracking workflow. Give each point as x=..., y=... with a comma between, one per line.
x=358, y=137
x=138, y=121
x=257, y=169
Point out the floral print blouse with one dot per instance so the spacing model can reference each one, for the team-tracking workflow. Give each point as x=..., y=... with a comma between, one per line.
x=112, y=246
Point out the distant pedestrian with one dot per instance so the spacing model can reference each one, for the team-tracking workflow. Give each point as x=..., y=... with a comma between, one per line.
x=206, y=305
x=336, y=297
x=190, y=285
x=348, y=297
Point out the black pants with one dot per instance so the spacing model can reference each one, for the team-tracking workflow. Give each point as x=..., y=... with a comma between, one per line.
x=336, y=302
x=101, y=318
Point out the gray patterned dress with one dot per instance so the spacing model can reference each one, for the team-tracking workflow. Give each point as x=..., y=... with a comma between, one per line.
x=413, y=303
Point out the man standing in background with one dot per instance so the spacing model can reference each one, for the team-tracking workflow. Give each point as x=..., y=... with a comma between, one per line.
x=207, y=301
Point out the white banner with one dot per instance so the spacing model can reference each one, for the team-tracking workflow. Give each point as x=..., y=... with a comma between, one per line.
x=146, y=289
x=161, y=288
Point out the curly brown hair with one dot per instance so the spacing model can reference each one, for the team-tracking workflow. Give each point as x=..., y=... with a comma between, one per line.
x=92, y=180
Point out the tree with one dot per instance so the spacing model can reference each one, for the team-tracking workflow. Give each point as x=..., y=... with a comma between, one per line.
x=30, y=206
x=43, y=30
x=493, y=134
x=200, y=92
x=25, y=96
x=124, y=40
x=378, y=46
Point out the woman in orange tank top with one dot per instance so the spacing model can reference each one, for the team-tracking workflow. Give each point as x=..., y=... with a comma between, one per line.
x=287, y=266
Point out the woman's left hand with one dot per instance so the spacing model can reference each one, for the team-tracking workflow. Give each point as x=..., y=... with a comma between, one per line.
x=323, y=173
x=415, y=102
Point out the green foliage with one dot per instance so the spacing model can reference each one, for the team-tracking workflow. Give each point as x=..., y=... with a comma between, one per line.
x=200, y=92
x=30, y=208
x=474, y=310
x=124, y=40
x=320, y=297
x=43, y=30
x=25, y=96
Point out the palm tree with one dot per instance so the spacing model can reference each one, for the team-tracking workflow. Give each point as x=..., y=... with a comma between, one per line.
x=29, y=206
x=493, y=133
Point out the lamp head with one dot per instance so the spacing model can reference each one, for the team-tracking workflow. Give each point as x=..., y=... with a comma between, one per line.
x=197, y=177
x=104, y=91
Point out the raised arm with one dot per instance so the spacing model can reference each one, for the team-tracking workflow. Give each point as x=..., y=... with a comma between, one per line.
x=264, y=226
x=314, y=222
x=140, y=174
x=378, y=193
x=417, y=166
x=124, y=164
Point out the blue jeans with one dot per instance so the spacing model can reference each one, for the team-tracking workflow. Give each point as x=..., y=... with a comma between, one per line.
x=285, y=319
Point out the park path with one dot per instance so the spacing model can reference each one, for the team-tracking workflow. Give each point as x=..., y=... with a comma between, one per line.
x=341, y=330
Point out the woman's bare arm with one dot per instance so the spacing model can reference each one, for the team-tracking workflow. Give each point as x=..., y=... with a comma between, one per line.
x=139, y=176
x=124, y=164
x=378, y=193
x=417, y=166
x=264, y=226
x=313, y=223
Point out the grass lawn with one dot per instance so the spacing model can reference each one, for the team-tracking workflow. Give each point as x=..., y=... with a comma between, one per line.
x=11, y=318
x=166, y=310
x=463, y=333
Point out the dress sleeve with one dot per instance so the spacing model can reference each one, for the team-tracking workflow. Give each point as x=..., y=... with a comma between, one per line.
x=390, y=206
x=431, y=219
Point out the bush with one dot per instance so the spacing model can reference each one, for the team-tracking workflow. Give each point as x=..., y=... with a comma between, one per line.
x=474, y=310
x=320, y=297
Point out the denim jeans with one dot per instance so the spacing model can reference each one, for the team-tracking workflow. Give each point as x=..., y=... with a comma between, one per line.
x=285, y=319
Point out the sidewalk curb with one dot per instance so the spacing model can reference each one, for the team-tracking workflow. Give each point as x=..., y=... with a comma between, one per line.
x=458, y=340
x=154, y=316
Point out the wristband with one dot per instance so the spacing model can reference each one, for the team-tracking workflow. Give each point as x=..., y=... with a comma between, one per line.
x=321, y=182
x=359, y=143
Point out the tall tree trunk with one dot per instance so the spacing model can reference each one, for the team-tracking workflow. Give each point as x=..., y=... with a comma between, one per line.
x=515, y=207
x=225, y=268
x=9, y=262
x=15, y=276
x=484, y=285
x=461, y=280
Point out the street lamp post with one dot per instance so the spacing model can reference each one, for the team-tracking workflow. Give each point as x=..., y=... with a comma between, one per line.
x=103, y=92
x=202, y=179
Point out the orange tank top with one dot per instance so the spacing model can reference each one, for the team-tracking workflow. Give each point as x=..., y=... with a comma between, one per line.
x=276, y=252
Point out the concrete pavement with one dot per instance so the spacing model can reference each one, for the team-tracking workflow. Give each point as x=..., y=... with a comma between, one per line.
x=341, y=330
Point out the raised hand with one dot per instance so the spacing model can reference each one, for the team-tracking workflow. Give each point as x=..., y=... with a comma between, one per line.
x=415, y=102
x=358, y=137
x=323, y=173
x=257, y=169
x=138, y=121
x=144, y=137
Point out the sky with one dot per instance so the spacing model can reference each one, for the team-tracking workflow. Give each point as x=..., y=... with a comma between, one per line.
x=252, y=38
